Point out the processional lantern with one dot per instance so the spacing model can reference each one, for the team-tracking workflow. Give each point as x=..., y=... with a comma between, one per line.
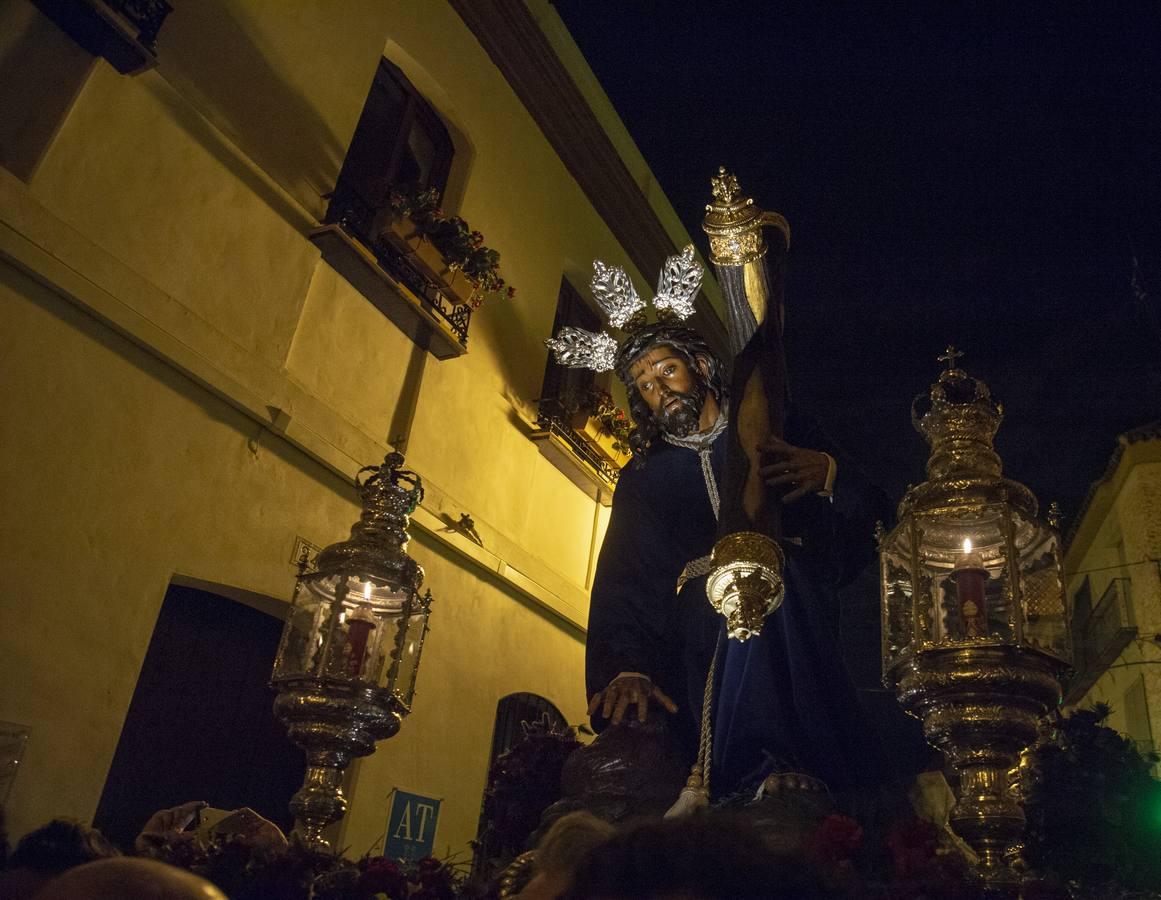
x=974, y=632
x=349, y=655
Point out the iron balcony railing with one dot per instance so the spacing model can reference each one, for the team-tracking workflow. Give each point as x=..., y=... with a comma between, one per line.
x=1100, y=636
x=356, y=217
x=554, y=417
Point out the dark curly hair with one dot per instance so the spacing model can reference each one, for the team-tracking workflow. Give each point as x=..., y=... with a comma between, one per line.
x=687, y=344
x=59, y=846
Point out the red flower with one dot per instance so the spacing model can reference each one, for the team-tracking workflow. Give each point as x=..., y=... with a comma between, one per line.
x=381, y=875
x=836, y=839
x=913, y=843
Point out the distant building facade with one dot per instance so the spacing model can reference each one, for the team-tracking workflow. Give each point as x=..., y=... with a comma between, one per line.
x=206, y=334
x=1113, y=563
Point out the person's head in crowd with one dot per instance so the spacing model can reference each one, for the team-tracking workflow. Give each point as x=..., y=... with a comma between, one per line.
x=48, y=851
x=129, y=878
x=702, y=857
x=560, y=851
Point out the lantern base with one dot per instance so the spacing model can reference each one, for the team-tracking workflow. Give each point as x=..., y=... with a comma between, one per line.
x=982, y=707
x=332, y=722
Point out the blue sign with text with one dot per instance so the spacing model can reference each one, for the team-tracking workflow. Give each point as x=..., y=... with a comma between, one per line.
x=411, y=826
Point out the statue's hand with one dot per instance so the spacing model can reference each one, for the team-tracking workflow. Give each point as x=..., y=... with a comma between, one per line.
x=802, y=471
x=625, y=691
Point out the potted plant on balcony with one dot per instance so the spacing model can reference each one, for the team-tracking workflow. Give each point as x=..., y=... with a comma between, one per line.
x=445, y=247
x=602, y=424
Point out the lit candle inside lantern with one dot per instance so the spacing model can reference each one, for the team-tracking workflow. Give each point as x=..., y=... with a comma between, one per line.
x=970, y=575
x=359, y=628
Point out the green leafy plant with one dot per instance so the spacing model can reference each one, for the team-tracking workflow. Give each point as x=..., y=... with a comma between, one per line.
x=461, y=247
x=598, y=404
x=1094, y=808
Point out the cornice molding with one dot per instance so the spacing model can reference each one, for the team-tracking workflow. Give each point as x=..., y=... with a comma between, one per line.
x=511, y=37
x=1149, y=432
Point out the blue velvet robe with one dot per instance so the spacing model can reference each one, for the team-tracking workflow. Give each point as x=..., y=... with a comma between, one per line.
x=783, y=699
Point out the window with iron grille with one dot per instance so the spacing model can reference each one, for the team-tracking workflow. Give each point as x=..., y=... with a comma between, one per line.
x=570, y=397
x=562, y=382
x=514, y=714
x=401, y=150
x=400, y=142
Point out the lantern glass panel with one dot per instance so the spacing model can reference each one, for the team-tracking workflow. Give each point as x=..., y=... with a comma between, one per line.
x=1041, y=588
x=898, y=600
x=963, y=585
x=411, y=633
x=341, y=627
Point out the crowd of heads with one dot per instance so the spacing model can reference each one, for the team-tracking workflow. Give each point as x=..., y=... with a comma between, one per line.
x=580, y=857
x=69, y=860
x=702, y=857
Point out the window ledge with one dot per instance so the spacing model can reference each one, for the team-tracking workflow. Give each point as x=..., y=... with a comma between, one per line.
x=123, y=33
x=424, y=316
x=588, y=463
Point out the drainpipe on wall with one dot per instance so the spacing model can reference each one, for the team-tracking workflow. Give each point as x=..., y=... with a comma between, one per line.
x=403, y=420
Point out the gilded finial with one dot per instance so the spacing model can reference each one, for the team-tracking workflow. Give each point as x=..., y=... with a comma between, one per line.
x=1054, y=515
x=950, y=355
x=725, y=186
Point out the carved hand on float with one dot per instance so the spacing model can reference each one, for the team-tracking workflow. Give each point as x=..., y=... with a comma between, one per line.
x=803, y=471
x=625, y=691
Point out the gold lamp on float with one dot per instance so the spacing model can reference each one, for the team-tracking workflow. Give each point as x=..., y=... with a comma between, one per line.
x=347, y=663
x=975, y=639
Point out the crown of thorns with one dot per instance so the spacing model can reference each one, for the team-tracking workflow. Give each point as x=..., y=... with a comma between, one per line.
x=677, y=287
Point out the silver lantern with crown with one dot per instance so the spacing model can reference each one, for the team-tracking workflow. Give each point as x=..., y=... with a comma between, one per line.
x=349, y=656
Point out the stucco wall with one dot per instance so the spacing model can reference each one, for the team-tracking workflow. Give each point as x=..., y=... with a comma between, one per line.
x=136, y=474
x=188, y=387
x=1120, y=537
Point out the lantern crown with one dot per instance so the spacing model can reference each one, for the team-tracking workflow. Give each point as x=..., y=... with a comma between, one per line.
x=959, y=418
x=378, y=540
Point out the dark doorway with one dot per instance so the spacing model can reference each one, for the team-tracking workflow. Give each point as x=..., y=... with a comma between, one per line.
x=513, y=714
x=200, y=725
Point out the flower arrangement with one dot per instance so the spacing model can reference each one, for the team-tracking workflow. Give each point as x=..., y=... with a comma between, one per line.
x=461, y=247
x=523, y=782
x=248, y=872
x=598, y=404
x=614, y=422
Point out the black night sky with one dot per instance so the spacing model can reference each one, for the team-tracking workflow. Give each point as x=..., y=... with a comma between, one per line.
x=976, y=174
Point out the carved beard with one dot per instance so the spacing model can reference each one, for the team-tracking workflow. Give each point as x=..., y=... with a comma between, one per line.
x=683, y=418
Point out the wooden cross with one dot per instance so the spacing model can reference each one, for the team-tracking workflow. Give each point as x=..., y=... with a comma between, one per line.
x=950, y=355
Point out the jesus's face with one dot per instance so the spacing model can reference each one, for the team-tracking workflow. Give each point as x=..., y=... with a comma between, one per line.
x=674, y=392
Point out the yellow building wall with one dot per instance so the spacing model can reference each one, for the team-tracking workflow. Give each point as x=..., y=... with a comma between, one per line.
x=1120, y=537
x=188, y=387
x=137, y=475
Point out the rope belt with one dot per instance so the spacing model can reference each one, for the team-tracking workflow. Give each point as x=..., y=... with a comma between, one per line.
x=695, y=568
x=696, y=791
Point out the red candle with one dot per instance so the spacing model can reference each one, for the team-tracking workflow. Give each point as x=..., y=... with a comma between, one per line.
x=970, y=575
x=358, y=631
